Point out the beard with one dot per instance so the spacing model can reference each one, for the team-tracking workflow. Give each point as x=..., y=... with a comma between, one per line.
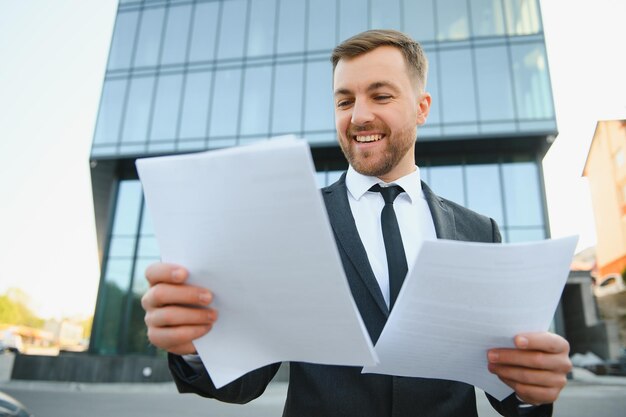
x=377, y=163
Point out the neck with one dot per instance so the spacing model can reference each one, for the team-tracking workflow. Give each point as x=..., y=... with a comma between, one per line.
x=396, y=174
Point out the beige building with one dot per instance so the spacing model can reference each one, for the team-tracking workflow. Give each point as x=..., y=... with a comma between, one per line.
x=606, y=170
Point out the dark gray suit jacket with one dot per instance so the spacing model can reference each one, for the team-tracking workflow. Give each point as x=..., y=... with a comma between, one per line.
x=322, y=390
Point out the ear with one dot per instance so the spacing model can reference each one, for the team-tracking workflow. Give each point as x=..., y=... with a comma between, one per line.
x=423, y=108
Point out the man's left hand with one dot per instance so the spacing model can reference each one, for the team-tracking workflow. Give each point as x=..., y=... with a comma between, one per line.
x=536, y=369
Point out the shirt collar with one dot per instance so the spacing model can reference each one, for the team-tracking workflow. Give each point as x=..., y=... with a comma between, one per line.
x=358, y=184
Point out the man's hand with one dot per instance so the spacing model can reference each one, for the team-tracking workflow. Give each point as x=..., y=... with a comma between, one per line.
x=176, y=313
x=536, y=369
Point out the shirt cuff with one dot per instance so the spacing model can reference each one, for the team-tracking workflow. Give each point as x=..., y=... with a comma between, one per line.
x=522, y=404
x=193, y=360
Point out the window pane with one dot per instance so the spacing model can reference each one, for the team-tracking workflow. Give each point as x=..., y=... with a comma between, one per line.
x=319, y=99
x=148, y=247
x=526, y=235
x=457, y=86
x=225, y=108
x=322, y=25
x=483, y=191
x=320, y=179
x=522, y=196
x=522, y=16
x=352, y=18
x=196, y=105
x=123, y=40
x=203, y=32
x=122, y=246
x=176, y=35
x=287, y=106
x=136, y=338
x=419, y=20
x=447, y=182
x=232, y=32
x=138, y=109
x=127, y=208
x=118, y=274
x=386, y=14
x=116, y=282
x=495, y=93
x=166, y=107
x=110, y=113
x=333, y=176
x=291, y=26
x=256, y=101
x=452, y=20
x=146, y=222
x=487, y=18
x=262, y=27
x=532, y=84
x=149, y=37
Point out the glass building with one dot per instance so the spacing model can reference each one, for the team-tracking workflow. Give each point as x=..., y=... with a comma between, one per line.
x=186, y=76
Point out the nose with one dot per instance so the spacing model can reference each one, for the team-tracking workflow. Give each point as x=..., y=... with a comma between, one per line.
x=361, y=113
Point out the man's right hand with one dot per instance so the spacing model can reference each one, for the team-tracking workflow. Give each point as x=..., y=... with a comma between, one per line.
x=176, y=312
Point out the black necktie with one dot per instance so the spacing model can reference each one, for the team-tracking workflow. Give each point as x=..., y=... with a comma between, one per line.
x=396, y=259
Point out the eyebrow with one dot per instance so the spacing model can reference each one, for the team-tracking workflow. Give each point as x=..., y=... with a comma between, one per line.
x=372, y=87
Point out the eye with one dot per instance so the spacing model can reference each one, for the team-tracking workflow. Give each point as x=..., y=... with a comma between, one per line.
x=382, y=97
x=344, y=103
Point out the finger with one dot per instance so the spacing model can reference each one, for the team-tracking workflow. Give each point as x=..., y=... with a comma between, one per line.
x=168, y=273
x=528, y=376
x=543, y=341
x=167, y=294
x=174, y=338
x=533, y=394
x=180, y=316
x=531, y=359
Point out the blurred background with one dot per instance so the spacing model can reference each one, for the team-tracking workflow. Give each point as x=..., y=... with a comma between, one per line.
x=527, y=127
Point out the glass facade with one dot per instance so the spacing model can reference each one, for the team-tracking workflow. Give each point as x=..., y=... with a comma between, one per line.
x=187, y=76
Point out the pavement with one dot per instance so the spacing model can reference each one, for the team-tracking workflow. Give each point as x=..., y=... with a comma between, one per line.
x=586, y=395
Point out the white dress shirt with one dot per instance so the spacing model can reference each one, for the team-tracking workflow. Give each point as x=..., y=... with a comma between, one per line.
x=414, y=219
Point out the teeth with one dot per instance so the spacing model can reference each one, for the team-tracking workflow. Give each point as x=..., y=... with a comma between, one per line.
x=369, y=138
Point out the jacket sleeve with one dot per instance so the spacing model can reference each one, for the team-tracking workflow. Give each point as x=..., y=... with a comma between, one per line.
x=193, y=378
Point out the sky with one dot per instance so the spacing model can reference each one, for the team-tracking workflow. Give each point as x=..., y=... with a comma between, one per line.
x=52, y=61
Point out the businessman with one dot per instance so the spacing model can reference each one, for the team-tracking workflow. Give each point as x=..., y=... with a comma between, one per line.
x=380, y=211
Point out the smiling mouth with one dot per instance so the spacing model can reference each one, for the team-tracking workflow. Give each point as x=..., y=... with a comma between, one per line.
x=367, y=138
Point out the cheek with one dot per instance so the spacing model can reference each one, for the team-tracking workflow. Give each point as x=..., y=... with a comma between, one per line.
x=342, y=122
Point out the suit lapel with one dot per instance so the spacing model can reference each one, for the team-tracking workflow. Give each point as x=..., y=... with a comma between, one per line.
x=348, y=238
x=441, y=214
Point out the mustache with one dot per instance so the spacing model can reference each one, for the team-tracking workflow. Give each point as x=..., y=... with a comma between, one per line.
x=354, y=129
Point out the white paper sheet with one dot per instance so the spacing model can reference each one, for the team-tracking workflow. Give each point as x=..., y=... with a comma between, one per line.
x=462, y=299
x=250, y=224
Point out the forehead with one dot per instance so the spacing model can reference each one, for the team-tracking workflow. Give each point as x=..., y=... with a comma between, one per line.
x=383, y=63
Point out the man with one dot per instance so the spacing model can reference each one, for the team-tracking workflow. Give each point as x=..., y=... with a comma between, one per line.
x=379, y=96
